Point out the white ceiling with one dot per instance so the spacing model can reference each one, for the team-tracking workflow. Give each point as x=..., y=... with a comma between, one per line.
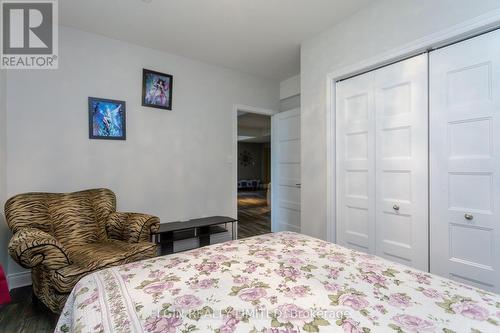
x=254, y=128
x=260, y=37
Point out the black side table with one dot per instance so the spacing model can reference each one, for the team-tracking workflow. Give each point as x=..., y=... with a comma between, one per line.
x=201, y=228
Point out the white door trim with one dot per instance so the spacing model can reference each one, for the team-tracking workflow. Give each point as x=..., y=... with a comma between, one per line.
x=469, y=28
x=249, y=109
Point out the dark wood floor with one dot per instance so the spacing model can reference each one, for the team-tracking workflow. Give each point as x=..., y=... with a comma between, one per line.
x=254, y=216
x=25, y=315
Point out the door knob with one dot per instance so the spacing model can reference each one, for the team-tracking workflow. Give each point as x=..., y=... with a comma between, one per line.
x=395, y=207
x=468, y=216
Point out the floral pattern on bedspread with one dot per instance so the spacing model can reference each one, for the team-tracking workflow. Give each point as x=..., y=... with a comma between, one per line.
x=275, y=283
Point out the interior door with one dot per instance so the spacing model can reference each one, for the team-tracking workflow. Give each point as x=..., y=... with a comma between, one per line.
x=465, y=161
x=356, y=163
x=285, y=179
x=401, y=160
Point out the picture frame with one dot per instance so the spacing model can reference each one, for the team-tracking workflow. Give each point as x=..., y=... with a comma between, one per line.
x=157, y=89
x=107, y=119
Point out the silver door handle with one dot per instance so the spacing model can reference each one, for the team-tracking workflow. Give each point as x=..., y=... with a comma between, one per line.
x=395, y=207
x=468, y=216
x=298, y=185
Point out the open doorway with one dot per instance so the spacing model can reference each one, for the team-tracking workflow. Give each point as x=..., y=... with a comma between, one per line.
x=254, y=173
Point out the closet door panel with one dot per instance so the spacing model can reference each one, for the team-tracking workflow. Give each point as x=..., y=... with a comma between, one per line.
x=355, y=163
x=465, y=161
x=401, y=111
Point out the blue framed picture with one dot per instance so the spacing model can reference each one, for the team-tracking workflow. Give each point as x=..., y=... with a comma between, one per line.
x=157, y=89
x=107, y=119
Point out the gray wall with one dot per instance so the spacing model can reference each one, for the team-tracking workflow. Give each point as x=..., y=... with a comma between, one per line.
x=290, y=103
x=253, y=171
x=175, y=164
x=4, y=231
x=385, y=25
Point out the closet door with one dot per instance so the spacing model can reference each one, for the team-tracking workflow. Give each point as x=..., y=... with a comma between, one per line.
x=401, y=108
x=465, y=161
x=356, y=163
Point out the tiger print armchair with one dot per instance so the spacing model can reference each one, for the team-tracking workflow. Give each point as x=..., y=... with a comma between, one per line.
x=63, y=237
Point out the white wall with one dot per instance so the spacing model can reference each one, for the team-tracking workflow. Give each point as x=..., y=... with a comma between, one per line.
x=4, y=231
x=174, y=164
x=290, y=87
x=290, y=93
x=385, y=25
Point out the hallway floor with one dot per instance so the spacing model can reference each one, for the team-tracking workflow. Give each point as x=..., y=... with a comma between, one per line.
x=254, y=216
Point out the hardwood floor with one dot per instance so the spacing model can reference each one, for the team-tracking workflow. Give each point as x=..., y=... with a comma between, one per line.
x=254, y=216
x=25, y=315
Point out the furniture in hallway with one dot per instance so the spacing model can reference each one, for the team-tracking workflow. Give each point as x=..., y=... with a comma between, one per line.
x=202, y=229
x=62, y=237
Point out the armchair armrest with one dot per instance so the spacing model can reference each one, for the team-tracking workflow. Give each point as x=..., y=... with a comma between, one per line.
x=30, y=247
x=131, y=227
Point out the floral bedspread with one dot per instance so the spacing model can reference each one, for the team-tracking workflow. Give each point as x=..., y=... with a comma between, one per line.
x=275, y=283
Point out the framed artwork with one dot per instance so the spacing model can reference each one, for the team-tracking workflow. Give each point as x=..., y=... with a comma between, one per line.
x=157, y=89
x=107, y=119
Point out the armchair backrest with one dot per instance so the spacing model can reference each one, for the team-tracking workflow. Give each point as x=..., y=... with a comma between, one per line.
x=72, y=218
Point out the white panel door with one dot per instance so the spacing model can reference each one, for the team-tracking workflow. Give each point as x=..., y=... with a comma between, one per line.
x=356, y=163
x=285, y=156
x=401, y=159
x=465, y=161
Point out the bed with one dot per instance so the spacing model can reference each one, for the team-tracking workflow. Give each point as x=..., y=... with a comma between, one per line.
x=275, y=283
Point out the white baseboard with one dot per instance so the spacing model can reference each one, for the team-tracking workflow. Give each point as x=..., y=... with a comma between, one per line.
x=20, y=279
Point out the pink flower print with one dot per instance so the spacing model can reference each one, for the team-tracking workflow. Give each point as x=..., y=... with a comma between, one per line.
x=297, y=291
x=280, y=330
x=332, y=287
x=470, y=310
x=334, y=273
x=413, y=324
x=421, y=277
x=263, y=254
x=374, y=279
x=163, y=324
x=207, y=267
x=350, y=326
x=204, y=284
x=251, y=267
x=289, y=272
x=399, y=300
x=157, y=274
x=431, y=293
x=93, y=297
x=229, y=326
x=291, y=313
x=240, y=279
x=337, y=257
x=219, y=258
x=380, y=308
x=187, y=302
x=368, y=267
x=295, y=261
x=355, y=302
x=252, y=294
x=157, y=287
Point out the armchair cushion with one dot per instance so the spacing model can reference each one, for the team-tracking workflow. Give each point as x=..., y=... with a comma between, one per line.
x=31, y=247
x=90, y=257
x=74, y=220
x=131, y=227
